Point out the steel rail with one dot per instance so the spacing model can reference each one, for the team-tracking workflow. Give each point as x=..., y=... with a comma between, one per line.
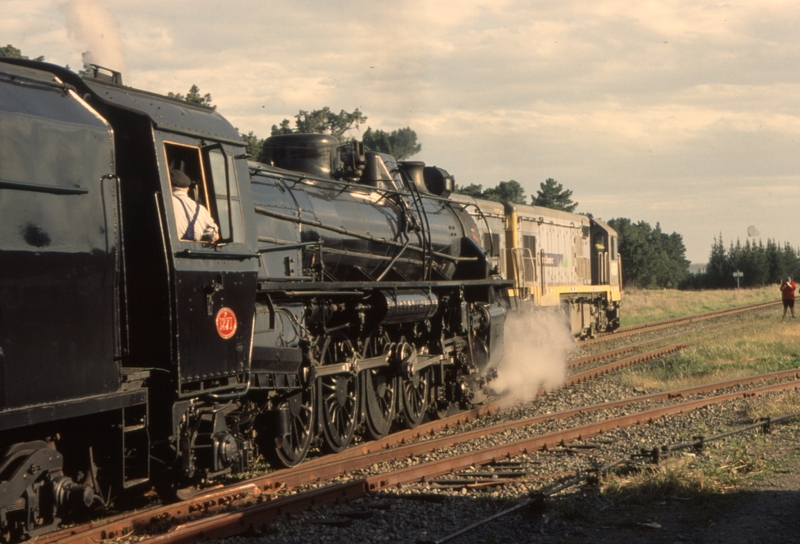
x=589, y=359
x=364, y=455
x=538, y=498
x=655, y=455
x=677, y=321
x=218, y=499
x=230, y=524
x=214, y=500
x=628, y=361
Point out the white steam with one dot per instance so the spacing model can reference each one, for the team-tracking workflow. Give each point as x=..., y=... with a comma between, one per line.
x=535, y=357
x=91, y=24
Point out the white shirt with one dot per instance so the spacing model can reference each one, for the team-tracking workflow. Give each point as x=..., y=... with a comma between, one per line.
x=192, y=219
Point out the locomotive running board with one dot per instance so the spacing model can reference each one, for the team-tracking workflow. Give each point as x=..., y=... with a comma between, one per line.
x=296, y=288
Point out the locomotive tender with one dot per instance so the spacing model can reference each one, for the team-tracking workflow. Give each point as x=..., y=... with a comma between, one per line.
x=347, y=293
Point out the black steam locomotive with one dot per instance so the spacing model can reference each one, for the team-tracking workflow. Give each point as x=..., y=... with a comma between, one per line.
x=346, y=293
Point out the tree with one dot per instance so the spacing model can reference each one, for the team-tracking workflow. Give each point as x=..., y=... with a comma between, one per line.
x=553, y=195
x=650, y=257
x=473, y=190
x=253, y=143
x=194, y=97
x=283, y=128
x=505, y=191
x=636, y=251
x=400, y=143
x=672, y=266
x=759, y=264
x=718, y=268
x=322, y=121
x=12, y=52
x=790, y=261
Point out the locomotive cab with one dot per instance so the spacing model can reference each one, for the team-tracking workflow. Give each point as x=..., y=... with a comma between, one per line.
x=139, y=320
x=606, y=270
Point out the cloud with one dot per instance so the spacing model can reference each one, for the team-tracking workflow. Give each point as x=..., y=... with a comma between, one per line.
x=659, y=111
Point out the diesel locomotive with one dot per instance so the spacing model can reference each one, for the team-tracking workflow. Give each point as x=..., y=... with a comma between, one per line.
x=559, y=261
x=346, y=293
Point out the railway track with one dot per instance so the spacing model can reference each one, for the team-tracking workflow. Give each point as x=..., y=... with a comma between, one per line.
x=392, y=447
x=257, y=515
x=678, y=321
x=267, y=497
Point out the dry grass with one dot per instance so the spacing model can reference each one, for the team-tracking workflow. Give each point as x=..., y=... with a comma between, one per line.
x=763, y=344
x=644, y=306
x=753, y=345
x=772, y=406
x=659, y=484
x=721, y=466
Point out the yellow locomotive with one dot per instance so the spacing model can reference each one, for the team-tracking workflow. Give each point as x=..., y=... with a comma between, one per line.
x=558, y=260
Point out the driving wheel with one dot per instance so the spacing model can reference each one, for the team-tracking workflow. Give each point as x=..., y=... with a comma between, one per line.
x=379, y=390
x=338, y=395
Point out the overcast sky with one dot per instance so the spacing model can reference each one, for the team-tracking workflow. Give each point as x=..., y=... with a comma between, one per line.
x=683, y=113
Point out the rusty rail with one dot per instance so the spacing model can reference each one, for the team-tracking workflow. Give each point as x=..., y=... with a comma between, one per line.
x=359, y=457
x=695, y=444
x=257, y=516
x=677, y=321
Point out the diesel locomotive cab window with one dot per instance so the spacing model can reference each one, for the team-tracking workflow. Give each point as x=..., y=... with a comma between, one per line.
x=600, y=242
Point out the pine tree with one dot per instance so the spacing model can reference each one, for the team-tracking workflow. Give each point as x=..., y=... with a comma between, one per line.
x=552, y=194
x=718, y=266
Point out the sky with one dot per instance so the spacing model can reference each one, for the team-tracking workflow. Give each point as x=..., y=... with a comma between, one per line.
x=682, y=113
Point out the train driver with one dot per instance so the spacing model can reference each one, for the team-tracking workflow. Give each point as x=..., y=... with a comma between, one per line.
x=192, y=219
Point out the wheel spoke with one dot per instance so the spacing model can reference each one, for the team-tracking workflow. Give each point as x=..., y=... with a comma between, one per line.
x=291, y=448
x=339, y=398
x=379, y=389
x=414, y=402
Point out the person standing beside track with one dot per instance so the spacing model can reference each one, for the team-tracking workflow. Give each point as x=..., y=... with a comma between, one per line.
x=787, y=294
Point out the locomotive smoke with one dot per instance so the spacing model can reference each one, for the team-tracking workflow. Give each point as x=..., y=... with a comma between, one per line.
x=536, y=347
x=91, y=24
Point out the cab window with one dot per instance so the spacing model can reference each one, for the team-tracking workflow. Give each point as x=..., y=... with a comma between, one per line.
x=213, y=185
x=600, y=242
x=227, y=202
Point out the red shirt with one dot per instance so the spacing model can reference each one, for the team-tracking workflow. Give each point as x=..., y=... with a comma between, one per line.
x=787, y=290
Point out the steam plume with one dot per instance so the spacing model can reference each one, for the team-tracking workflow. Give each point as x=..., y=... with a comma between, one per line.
x=91, y=24
x=536, y=347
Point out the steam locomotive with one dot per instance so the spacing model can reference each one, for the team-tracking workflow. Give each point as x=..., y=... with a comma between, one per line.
x=347, y=293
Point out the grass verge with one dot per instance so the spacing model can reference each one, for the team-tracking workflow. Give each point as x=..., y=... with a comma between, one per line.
x=644, y=306
x=764, y=343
